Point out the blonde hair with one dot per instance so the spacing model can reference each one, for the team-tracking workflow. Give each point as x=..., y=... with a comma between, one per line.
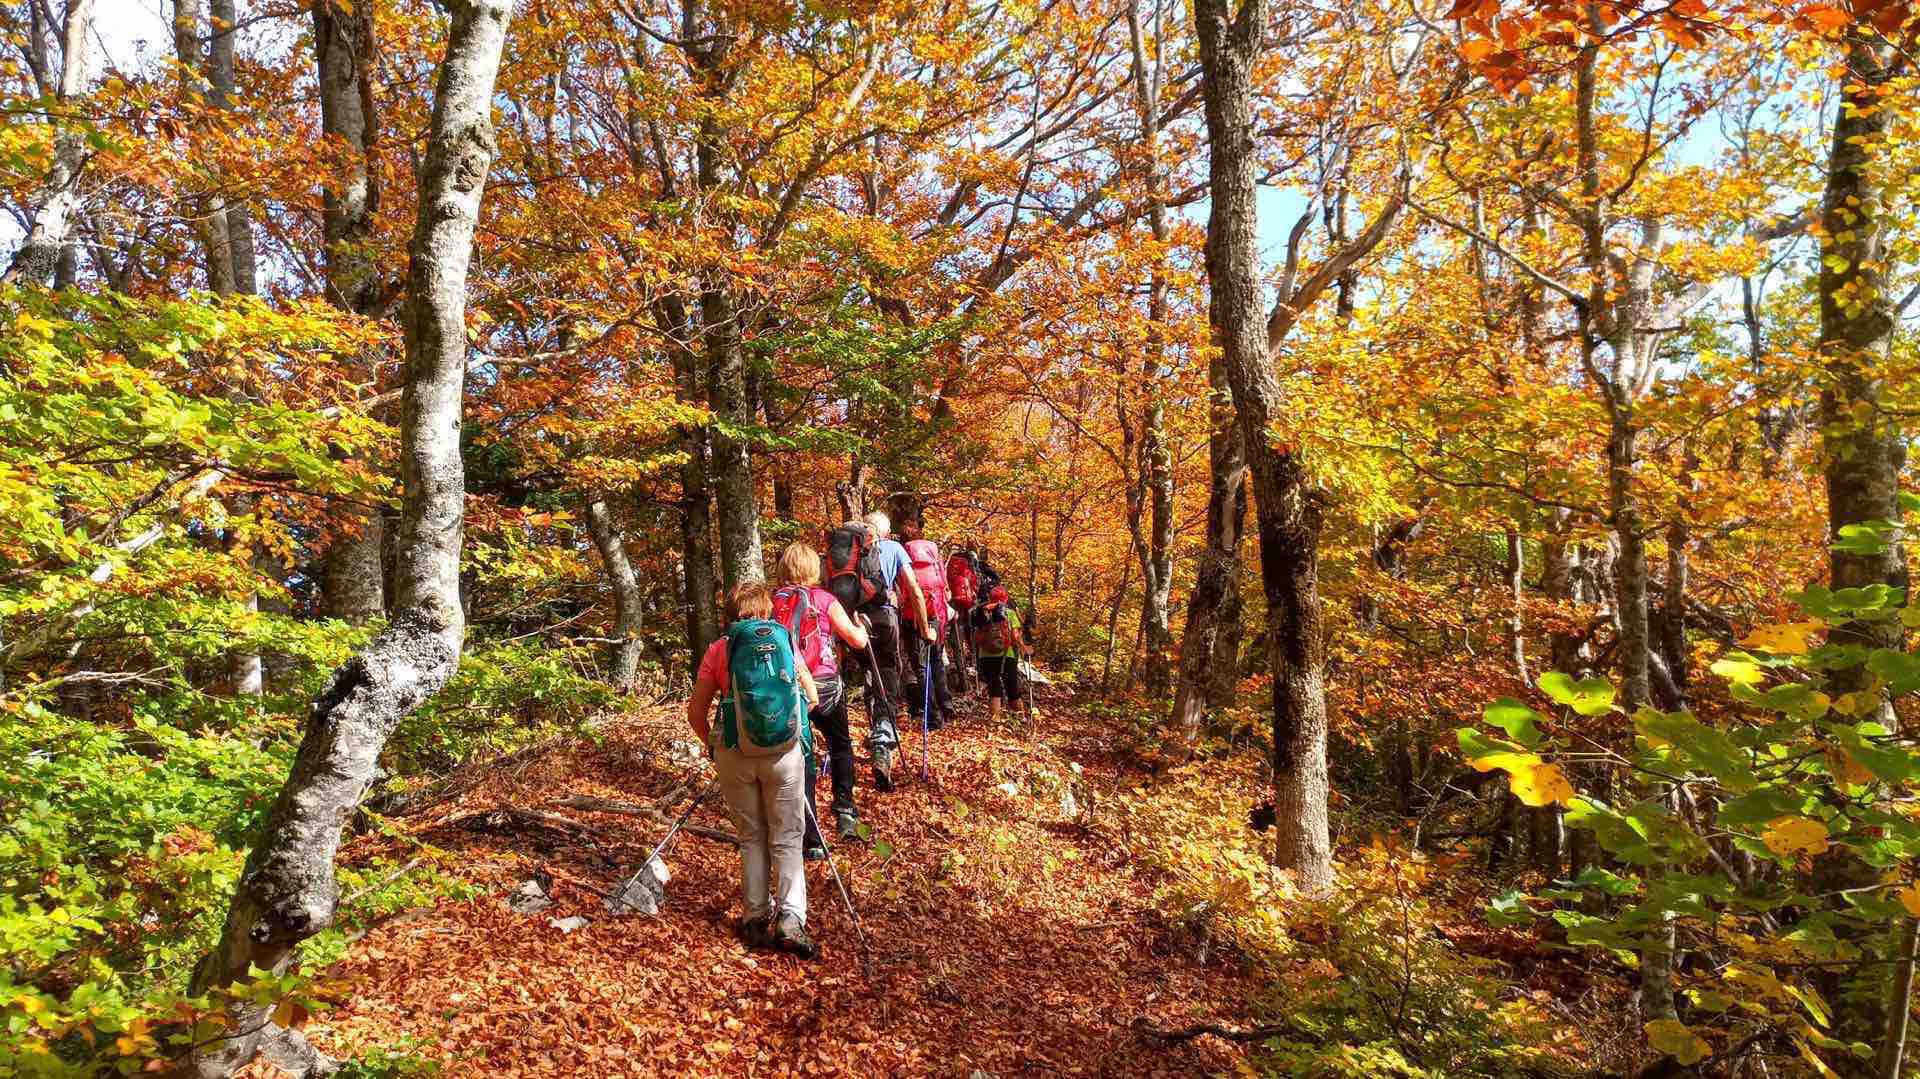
x=799, y=564
x=750, y=599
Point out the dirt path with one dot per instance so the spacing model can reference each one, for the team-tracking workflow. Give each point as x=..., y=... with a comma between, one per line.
x=1008, y=939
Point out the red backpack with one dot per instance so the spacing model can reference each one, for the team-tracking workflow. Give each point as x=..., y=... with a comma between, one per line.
x=933, y=579
x=992, y=631
x=853, y=567
x=960, y=581
x=802, y=610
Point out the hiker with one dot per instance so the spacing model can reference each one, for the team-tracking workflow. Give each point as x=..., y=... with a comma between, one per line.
x=963, y=581
x=758, y=749
x=994, y=629
x=817, y=618
x=871, y=575
x=926, y=658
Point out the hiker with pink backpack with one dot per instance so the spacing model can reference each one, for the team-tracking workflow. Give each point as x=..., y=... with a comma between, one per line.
x=817, y=620
x=927, y=691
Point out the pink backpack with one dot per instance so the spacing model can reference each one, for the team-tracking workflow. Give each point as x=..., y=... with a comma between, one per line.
x=804, y=612
x=932, y=575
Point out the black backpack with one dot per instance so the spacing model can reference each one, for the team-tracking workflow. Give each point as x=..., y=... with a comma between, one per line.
x=853, y=567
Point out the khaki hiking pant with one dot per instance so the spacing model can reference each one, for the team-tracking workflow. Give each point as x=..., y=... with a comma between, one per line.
x=766, y=796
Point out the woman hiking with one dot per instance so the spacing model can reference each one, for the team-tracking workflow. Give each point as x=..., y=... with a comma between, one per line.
x=994, y=629
x=761, y=762
x=817, y=620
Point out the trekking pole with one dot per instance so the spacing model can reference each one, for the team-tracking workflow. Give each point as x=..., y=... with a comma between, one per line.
x=846, y=897
x=926, y=706
x=671, y=832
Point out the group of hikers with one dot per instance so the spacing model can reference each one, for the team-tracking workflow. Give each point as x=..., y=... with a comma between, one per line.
x=868, y=605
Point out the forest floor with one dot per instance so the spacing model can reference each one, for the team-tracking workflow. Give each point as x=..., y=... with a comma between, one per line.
x=1007, y=939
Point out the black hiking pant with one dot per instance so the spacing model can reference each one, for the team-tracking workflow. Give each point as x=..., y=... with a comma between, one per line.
x=918, y=649
x=1001, y=676
x=882, y=663
x=829, y=719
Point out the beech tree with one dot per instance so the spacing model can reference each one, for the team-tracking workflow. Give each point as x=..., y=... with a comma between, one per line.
x=287, y=892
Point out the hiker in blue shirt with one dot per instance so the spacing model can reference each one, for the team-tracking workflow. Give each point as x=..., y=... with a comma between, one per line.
x=902, y=592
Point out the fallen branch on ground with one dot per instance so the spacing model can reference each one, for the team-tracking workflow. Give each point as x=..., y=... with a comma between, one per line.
x=629, y=809
x=1232, y=1034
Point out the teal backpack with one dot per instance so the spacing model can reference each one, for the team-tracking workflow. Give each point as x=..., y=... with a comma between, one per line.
x=766, y=712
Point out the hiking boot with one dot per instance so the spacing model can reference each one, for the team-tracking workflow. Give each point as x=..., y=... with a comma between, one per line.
x=758, y=932
x=883, y=768
x=790, y=936
x=815, y=852
x=847, y=822
x=936, y=721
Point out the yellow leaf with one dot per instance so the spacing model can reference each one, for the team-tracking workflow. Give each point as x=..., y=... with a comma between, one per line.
x=1793, y=835
x=1910, y=898
x=1542, y=784
x=1677, y=1040
x=1784, y=639
x=1819, y=1066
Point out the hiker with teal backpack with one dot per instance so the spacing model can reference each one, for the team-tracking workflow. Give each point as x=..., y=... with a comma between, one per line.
x=759, y=745
x=817, y=620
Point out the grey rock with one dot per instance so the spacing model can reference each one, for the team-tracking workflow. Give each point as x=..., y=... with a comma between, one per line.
x=569, y=924
x=529, y=898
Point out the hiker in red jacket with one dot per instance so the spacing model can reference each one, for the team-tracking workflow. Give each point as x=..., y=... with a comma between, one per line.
x=924, y=649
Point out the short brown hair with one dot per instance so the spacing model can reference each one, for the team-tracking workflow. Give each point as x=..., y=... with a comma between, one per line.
x=750, y=599
x=799, y=564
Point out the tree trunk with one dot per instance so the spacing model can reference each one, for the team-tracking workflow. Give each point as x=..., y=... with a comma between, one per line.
x=287, y=891
x=1216, y=583
x=55, y=204
x=1516, y=594
x=1861, y=447
x=629, y=606
x=1288, y=511
x=1156, y=456
x=352, y=578
x=733, y=487
x=1899, y=1006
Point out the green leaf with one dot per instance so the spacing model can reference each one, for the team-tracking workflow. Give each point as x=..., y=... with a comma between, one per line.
x=1486, y=753
x=1707, y=747
x=1587, y=696
x=1519, y=721
x=1900, y=669
x=883, y=848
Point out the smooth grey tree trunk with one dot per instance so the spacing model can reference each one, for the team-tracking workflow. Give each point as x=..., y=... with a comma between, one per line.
x=353, y=579
x=287, y=891
x=629, y=606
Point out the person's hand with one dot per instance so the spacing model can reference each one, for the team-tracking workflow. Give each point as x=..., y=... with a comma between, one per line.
x=927, y=631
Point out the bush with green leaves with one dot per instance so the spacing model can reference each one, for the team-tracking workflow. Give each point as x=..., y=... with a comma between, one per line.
x=1776, y=837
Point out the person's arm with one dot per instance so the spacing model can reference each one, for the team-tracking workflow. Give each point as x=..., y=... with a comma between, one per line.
x=700, y=707
x=846, y=628
x=919, y=601
x=807, y=687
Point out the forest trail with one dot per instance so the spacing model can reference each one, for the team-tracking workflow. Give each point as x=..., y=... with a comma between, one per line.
x=1008, y=939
